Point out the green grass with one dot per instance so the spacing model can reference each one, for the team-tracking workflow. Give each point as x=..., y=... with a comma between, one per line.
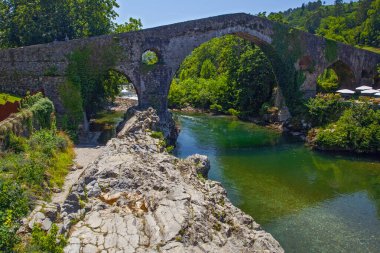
x=62, y=162
x=4, y=97
x=372, y=49
x=29, y=168
x=106, y=117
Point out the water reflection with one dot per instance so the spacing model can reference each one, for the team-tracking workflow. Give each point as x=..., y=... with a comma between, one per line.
x=308, y=200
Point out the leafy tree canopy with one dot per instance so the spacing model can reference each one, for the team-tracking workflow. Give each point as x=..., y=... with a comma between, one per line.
x=226, y=74
x=28, y=22
x=355, y=23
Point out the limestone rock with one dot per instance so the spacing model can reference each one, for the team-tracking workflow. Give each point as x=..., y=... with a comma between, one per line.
x=137, y=198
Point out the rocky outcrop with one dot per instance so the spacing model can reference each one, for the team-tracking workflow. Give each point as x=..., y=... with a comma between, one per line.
x=137, y=198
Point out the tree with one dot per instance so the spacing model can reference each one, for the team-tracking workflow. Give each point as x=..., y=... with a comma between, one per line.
x=335, y=28
x=355, y=23
x=132, y=25
x=223, y=74
x=28, y=22
x=339, y=7
x=277, y=17
x=370, y=34
x=361, y=13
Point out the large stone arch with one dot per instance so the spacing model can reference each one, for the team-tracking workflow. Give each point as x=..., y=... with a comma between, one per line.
x=297, y=57
x=172, y=54
x=257, y=38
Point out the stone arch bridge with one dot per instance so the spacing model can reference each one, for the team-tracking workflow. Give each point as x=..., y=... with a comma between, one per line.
x=297, y=58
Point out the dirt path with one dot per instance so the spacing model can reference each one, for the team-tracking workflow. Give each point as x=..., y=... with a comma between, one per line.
x=84, y=156
x=87, y=152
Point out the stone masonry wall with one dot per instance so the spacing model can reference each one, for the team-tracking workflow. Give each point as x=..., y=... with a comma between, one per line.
x=29, y=68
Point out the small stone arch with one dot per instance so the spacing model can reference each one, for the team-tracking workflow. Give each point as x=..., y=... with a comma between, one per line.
x=346, y=77
x=157, y=53
x=130, y=77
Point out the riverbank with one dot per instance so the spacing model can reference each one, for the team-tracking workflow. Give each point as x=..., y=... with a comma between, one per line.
x=277, y=126
x=135, y=197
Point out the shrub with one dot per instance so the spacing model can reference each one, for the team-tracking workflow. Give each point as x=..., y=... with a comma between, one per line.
x=325, y=108
x=233, y=112
x=157, y=135
x=47, y=155
x=13, y=206
x=16, y=144
x=29, y=100
x=49, y=242
x=215, y=108
x=328, y=81
x=358, y=130
x=47, y=142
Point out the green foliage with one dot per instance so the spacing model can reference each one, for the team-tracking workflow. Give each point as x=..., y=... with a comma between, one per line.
x=157, y=135
x=28, y=22
x=335, y=28
x=37, y=159
x=89, y=71
x=208, y=70
x=358, y=130
x=132, y=25
x=149, y=58
x=327, y=81
x=47, y=242
x=17, y=144
x=170, y=149
x=216, y=108
x=30, y=166
x=325, y=108
x=36, y=112
x=43, y=110
x=29, y=100
x=14, y=205
x=233, y=112
x=51, y=71
x=4, y=97
x=289, y=79
x=355, y=23
x=72, y=101
x=277, y=17
x=331, y=50
x=113, y=82
x=41, y=107
x=227, y=73
x=370, y=34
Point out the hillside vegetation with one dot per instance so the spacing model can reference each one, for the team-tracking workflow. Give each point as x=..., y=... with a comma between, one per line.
x=354, y=23
x=226, y=75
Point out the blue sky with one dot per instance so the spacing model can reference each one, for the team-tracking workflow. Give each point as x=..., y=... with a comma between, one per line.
x=161, y=12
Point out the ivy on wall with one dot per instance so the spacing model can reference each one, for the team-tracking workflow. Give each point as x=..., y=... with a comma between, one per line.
x=88, y=70
x=286, y=49
x=331, y=50
x=88, y=85
x=36, y=113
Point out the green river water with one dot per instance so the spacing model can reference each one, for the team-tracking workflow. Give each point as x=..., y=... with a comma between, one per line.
x=309, y=201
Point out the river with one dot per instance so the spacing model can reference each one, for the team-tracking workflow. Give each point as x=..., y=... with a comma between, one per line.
x=309, y=201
